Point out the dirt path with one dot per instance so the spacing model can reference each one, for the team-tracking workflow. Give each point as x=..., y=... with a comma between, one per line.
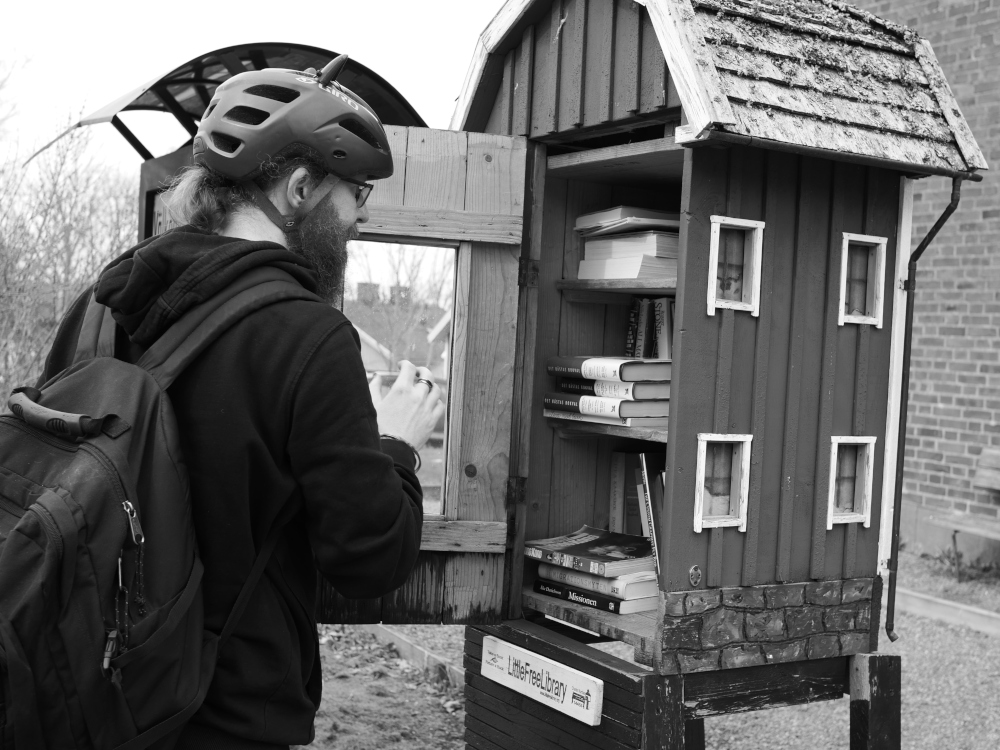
x=372, y=699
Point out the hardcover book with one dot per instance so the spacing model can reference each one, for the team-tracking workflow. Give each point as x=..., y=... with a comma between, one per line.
x=610, y=368
x=651, y=391
x=594, y=600
x=600, y=406
x=595, y=551
x=573, y=416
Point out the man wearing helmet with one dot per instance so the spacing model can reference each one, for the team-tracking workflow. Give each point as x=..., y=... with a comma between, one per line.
x=276, y=419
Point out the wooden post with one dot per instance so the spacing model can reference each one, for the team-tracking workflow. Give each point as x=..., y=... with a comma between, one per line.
x=875, y=702
x=694, y=734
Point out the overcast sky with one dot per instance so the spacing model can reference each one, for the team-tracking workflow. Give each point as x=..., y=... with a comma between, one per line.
x=70, y=58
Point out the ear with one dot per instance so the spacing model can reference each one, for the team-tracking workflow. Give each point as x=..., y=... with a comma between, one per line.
x=297, y=189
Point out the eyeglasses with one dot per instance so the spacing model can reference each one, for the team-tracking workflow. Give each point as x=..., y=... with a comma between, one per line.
x=361, y=192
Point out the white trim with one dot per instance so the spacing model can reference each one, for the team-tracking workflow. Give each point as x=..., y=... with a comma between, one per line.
x=740, y=519
x=876, y=279
x=751, y=269
x=865, y=514
x=903, y=238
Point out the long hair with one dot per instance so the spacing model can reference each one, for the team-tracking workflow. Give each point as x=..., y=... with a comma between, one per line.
x=205, y=199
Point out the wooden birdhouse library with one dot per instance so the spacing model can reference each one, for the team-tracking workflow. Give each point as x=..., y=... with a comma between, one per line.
x=677, y=353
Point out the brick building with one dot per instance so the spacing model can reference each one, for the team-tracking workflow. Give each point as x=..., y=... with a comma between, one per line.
x=955, y=378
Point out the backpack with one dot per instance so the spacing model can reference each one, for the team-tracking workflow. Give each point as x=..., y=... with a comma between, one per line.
x=102, y=643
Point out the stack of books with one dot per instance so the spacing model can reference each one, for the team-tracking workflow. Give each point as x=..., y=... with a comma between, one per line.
x=610, y=390
x=598, y=569
x=614, y=249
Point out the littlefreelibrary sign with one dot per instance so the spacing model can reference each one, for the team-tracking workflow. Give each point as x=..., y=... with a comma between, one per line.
x=553, y=684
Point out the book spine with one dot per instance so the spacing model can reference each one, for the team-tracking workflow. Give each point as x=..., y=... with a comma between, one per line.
x=603, y=388
x=641, y=491
x=576, y=416
x=579, y=580
x=661, y=340
x=594, y=406
x=586, y=598
x=616, y=500
x=633, y=327
x=633, y=524
x=589, y=368
x=642, y=338
x=650, y=498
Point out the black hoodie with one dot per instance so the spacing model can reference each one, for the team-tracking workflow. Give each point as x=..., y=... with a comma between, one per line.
x=276, y=411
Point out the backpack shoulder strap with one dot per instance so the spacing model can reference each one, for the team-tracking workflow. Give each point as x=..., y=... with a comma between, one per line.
x=200, y=326
x=97, y=333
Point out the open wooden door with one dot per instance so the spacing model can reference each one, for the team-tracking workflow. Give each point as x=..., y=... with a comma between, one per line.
x=466, y=191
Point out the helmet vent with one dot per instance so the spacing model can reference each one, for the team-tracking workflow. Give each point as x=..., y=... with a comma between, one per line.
x=277, y=93
x=226, y=143
x=355, y=127
x=246, y=115
x=208, y=111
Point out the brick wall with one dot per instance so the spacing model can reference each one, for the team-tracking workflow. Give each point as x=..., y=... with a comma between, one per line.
x=955, y=376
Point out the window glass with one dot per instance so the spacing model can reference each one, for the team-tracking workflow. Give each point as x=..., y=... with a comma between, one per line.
x=400, y=298
x=856, y=298
x=719, y=479
x=729, y=274
x=847, y=475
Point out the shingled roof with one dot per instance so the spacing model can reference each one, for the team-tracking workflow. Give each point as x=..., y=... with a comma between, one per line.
x=815, y=75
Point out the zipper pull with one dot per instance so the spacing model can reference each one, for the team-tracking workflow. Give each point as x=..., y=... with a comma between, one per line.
x=110, y=649
x=133, y=522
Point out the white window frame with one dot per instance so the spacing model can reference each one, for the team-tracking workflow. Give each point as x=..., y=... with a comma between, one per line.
x=751, y=267
x=742, y=443
x=876, y=276
x=865, y=477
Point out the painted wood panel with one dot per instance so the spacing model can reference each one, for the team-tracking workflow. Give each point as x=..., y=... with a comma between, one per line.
x=545, y=79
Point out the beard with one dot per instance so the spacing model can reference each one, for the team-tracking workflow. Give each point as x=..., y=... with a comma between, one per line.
x=322, y=239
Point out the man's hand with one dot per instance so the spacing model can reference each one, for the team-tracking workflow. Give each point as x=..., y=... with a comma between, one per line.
x=411, y=408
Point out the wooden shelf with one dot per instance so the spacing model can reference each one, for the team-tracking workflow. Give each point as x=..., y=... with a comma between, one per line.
x=638, y=630
x=568, y=428
x=654, y=162
x=614, y=291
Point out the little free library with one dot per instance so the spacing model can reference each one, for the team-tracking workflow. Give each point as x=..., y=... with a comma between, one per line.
x=679, y=344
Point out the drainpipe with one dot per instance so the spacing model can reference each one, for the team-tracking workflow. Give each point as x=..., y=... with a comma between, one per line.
x=909, y=286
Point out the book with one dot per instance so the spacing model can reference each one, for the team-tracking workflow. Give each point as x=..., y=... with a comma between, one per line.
x=641, y=267
x=633, y=327
x=662, y=325
x=643, y=391
x=595, y=551
x=624, y=217
x=640, y=492
x=630, y=224
x=609, y=368
x=652, y=465
x=599, y=406
x=595, y=601
x=654, y=244
x=629, y=586
x=642, y=330
x=648, y=422
x=616, y=495
x=633, y=517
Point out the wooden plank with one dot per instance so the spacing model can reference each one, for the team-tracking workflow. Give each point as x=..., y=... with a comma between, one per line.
x=571, y=71
x=568, y=430
x=949, y=106
x=456, y=417
x=595, y=290
x=860, y=410
x=665, y=713
x=435, y=171
x=442, y=224
x=333, y=608
x=876, y=701
x=421, y=598
x=523, y=72
x=599, y=60
x=652, y=69
x=723, y=383
x=752, y=688
x=847, y=180
x=546, y=722
x=504, y=732
x=555, y=645
x=389, y=192
x=488, y=537
x=780, y=193
x=803, y=371
x=545, y=80
x=503, y=104
x=473, y=740
x=495, y=175
x=625, y=79
x=692, y=69
x=584, y=164
x=473, y=589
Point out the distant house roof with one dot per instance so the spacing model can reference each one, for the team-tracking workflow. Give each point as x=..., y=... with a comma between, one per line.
x=818, y=75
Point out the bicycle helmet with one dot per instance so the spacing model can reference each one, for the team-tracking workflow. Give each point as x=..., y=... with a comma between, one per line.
x=256, y=116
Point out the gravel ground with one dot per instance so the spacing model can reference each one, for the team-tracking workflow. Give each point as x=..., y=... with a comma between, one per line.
x=935, y=576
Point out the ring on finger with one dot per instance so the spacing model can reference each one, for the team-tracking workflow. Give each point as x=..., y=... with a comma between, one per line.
x=428, y=383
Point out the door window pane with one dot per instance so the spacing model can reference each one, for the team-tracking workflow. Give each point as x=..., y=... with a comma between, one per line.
x=847, y=475
x=732, y=254
x=718, y=479
x=856, y=299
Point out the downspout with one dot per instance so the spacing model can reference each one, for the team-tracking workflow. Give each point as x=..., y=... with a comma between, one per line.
x=904, y=397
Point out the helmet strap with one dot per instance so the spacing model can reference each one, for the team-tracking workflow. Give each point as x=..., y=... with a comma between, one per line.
x=286, y=222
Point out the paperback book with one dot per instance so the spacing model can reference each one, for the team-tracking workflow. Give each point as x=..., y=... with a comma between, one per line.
x=594, y=551
x=657, y=244
x=640, y=267
x=625, y=219
x=594, y=600
x=623, y=503
x=630, y=586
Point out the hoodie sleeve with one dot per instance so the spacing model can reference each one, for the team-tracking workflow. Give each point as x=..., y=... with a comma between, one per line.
x=64, y=344
x=362, y=498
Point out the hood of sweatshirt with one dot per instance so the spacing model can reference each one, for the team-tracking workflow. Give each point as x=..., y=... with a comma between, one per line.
x=152, y=285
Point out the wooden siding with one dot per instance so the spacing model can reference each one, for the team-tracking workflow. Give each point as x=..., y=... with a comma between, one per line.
x=791, y=377
x=825, y=77
x=582, y=65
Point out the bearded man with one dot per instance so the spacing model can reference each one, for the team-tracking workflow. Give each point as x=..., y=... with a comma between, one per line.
x=276, y=415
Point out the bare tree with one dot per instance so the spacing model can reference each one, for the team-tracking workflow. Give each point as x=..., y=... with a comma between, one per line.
x=61, y=221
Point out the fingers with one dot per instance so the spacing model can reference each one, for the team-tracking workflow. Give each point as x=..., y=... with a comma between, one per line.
x=407, y=371
x=375, y=388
